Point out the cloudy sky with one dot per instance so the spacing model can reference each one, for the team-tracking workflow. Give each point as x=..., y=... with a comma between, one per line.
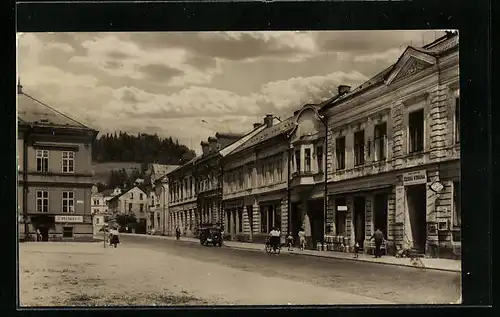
x=190, y=85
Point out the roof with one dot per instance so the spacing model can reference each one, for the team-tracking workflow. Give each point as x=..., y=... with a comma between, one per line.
x=107, y=192
x=233, y=146
x=436, y=48
x=33, y=111
x=160, y=170
x=265, y=133
x=227, y=135
x=124, y=192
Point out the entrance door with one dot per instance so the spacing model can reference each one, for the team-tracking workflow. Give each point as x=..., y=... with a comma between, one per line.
x=380, y=213
x=359, y=220
x=315, y=212
x=417, y=209
x=340, y=217
x=44, y=232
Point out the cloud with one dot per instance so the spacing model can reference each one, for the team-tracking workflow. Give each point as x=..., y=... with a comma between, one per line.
x=159, y=72
x=390, y=56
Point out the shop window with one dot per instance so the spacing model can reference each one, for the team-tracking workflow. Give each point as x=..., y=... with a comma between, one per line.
x=67, y=232
x=457, y=213
x=380, y=141
x=416, y=131
x=277, y=217
x=340, y=152
x=263, y=219
x=319, y=158
x=307, y=160
x=457, y=119
x=359, y=148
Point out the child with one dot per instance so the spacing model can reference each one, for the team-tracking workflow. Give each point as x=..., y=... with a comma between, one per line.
x=356, y=249
x=289, y=240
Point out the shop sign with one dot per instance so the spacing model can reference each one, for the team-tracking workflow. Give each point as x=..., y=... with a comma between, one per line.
x=414, y=178
x=341, y=208
x=73, y=219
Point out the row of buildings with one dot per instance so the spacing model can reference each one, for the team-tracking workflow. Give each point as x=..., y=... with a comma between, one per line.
x=383, y=155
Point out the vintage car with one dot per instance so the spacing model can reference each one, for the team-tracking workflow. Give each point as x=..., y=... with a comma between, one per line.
x=210, y=236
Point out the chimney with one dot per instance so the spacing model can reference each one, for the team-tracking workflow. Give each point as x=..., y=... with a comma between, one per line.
x=19, y=87
x=212, y=145
x=344, y=89
x=204, y=147
x=256, y=125
x=268, y=120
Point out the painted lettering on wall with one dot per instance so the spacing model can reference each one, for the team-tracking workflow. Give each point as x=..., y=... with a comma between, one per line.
x=416, y=177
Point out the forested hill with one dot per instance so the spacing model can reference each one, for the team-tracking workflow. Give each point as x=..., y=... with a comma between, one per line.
x=141, y=148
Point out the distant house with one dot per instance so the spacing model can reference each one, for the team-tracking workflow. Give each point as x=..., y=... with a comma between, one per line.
x=132, y=201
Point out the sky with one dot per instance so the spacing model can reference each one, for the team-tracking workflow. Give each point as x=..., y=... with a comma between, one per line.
x=190, y=85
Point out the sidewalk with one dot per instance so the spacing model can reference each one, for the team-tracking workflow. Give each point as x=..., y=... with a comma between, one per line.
x=429, y=264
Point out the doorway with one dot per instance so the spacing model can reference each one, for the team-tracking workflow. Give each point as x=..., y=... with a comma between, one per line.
x=380, y=207
x=315, y=211
x=416, y=197
x=44, y=232
x=359, y=220
x=340, y=216
x=296, y=220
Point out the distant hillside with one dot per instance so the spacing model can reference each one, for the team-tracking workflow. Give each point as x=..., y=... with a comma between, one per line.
x=141, y=148
x=102, y=171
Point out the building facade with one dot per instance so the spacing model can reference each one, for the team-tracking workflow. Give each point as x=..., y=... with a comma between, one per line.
x=133, y=201
x=157, y=187
x=55, y=173
x=394, y=154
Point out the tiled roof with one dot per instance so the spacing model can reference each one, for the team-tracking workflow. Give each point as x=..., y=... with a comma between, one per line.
x=161, y=170
x=267, y=133
x=235, y=145
x=33, y=111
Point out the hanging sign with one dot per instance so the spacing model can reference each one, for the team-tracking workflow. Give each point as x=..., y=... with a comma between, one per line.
x=73, y=219
x=414, y=178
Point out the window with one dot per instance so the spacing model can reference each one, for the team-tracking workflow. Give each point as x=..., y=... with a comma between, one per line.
x=340, y=152
x=131, y=195
x=141, y=207
x=68, y=201
x=297, y=160
x=42, y=160
x=457, y=119
x=359, y=148
x=416, y=131
x=279, y=168
x=319, y=157
x=140, y=196
x=307, y=160
x=96, y=221
x=67, y=232
x=380, y=141
x=68, y=162
x=457, y=213
x=129, y=207
x=42, y=201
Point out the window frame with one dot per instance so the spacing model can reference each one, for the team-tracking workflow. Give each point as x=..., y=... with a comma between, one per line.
x=42, y=157
x=359, y=148
x=68, y=202
x=319, y=158
x=378, y=140
x=41, y=200
x=340, y=153
x=409, y=134
x=68, y=160
x=307, y=160
x=297, y=160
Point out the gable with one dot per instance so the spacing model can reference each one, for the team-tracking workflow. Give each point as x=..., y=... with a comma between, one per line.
x=307, y=125
x=411, y=62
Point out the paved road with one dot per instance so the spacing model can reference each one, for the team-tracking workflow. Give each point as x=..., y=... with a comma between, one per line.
x=402, y=285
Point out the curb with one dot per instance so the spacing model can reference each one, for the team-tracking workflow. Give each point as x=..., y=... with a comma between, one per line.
x=313, y=255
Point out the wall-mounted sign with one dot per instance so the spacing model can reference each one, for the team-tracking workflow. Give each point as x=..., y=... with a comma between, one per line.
x=73, y=219
x=414, y=178
x=79, y=201
x=436, y=187
x=341, y=208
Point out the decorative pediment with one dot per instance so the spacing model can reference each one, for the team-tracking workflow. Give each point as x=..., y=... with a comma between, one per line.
x=411, y=62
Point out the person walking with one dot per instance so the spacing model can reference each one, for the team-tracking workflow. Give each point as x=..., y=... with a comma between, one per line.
x=378, y=236
x=177, y=233
x=38, y=235
x=114, y=240
x=274, y=235
x=289, y=242
x=302, y=239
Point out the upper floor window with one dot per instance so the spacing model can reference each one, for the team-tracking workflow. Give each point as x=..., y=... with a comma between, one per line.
x=457, y=118
x=297, y=160
x=131, y=195
x=416, y=131
x=279, y=169
x=140, y=196
x=42, y=160
x=380, y=141
x=307, y=160
x=68, y=162
x=42, y=201
x=359, y=148
x=319, y=157
x=129, y=207
x=141, y=207
x=340, y=152
x=68, y=202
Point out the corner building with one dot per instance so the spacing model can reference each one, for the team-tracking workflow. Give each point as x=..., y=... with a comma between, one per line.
x=394, y=155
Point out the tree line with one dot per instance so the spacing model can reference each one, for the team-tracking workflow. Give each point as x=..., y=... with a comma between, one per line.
x=140, y=148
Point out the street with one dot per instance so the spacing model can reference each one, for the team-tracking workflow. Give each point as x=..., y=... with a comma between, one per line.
x=145, y=271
